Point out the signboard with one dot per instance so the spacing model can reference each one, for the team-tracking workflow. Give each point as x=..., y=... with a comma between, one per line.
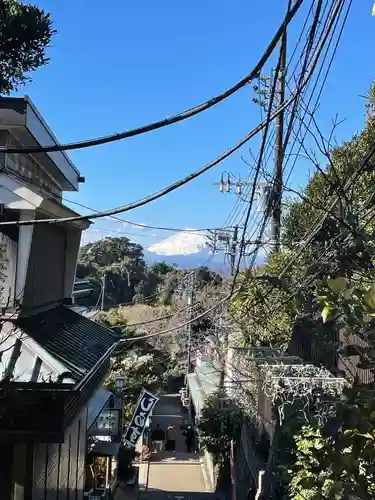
x=146, y=403
x=107, y=424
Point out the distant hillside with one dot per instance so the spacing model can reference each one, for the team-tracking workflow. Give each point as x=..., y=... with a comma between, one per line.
x=189, y=261
x=133, y=275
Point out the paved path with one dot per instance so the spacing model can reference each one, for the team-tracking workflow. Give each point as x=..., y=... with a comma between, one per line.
x=168, y=411
x=179, y=475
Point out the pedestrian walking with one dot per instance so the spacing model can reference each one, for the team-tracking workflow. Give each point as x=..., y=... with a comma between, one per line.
x=171, y=435
x=158, y=438
x=189, y=439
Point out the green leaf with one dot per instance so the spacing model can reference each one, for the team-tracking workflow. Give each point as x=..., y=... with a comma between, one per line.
x=369, y=297
x=325, y=313
x=348, y=293
x=337, y=284
x=316, y=268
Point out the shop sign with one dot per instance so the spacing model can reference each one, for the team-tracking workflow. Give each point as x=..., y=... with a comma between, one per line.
x=145, y=405
x=108, y=423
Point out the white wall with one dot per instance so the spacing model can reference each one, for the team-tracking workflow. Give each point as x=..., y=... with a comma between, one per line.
x=24, y=245
x=72, y=248
x=8, y=265
x=30, y=351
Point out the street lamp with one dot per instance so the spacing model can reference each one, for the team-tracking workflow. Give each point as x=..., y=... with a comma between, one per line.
x=119, y=383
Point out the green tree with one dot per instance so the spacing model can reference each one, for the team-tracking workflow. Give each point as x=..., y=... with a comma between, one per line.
x=338, y=462
x=265, y=322
x=25, y=33
x=342, y=162
x=120, y=260
x=142, y=365
x=217, y=427
x=327, y=293
x=162, y=268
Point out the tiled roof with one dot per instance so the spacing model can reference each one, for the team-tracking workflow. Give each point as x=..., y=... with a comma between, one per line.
x=77, y=342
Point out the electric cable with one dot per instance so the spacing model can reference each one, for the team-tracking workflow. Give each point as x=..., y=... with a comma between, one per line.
x=269, y=146
x=260, y=157
x=365, y=162
x=182, y=325
x=147, y=226
x=317, y=227
x=264, y=223
x=174, y=119
x=198, y=172
x=159, y=194
x=322, y=85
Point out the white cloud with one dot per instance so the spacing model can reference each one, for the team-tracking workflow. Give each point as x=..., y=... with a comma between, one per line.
x=91, y=235
x=140, y=226
x=183, y=243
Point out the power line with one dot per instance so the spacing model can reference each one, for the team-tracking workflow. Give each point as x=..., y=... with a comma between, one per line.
x=154, y=196
x=120, y=232
x=335, y=12
x=320, y=91
x=174, y=119
x=262, y=148
x=158, y=293
x=283, y=146
x=236, y=269
x=317, y=225
x=147, y=226
x=197, y=173
x=182, y=325
x=236, y=208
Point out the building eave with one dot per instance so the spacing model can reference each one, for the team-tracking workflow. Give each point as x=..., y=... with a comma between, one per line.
x=17, y=195
x=20, y=116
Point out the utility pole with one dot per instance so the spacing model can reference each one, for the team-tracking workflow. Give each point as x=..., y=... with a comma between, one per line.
x=104, y=282
x=233, y=251
x=279, y=158
x=190, y=301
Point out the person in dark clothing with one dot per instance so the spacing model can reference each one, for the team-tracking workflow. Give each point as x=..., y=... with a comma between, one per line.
x=171, y=438
x=189, y=439
x=158, y=438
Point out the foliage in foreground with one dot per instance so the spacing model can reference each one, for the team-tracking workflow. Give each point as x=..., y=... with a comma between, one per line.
x=25, y=33
x=326, y=296
x=338, y=461
x=217, y=427
x=263, y=306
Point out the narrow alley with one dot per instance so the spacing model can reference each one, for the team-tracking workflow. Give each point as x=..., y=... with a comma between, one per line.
x=178, y=475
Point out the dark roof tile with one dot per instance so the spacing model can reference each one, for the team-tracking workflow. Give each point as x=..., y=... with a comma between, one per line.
x=74, y=340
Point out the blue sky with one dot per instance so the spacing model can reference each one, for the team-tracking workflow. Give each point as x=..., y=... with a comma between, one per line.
x=118, y=65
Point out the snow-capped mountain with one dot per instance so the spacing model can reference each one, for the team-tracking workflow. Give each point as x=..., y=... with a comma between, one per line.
x=183, y=243
x=187, y=249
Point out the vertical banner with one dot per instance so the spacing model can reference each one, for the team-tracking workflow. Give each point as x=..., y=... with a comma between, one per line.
x=145, y=405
